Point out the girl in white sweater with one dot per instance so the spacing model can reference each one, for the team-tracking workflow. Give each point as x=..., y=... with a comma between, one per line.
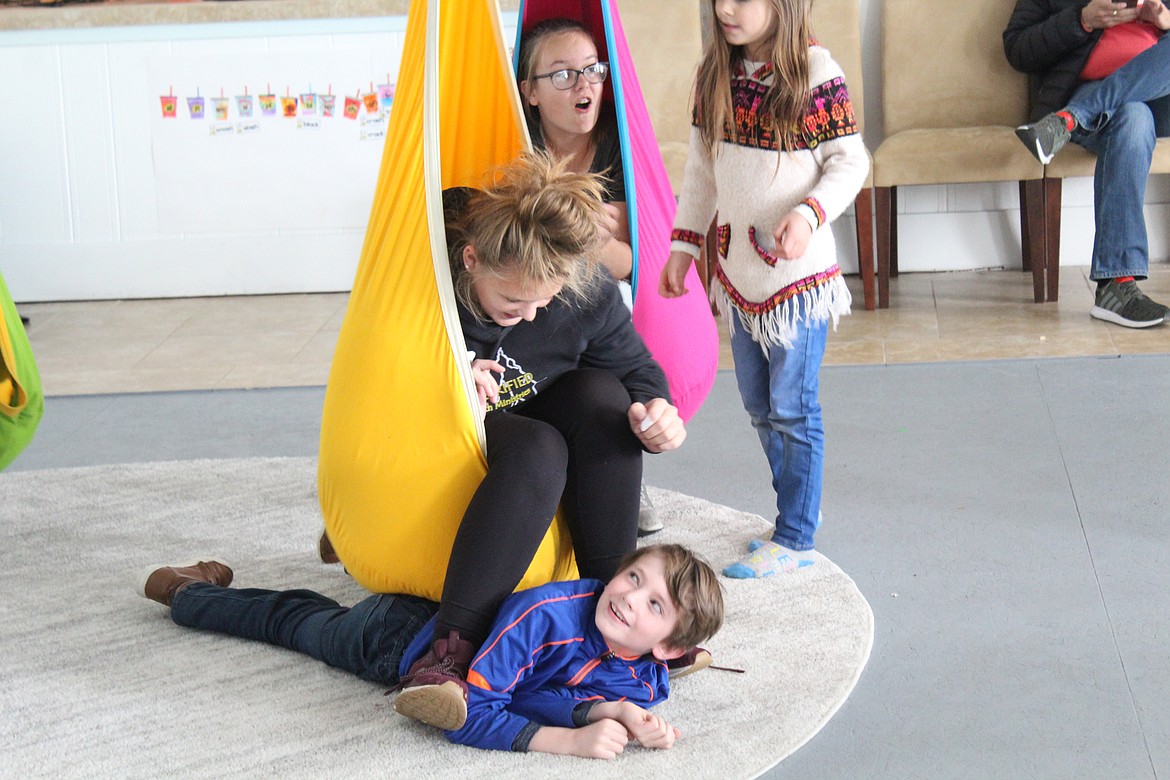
x=776, y=151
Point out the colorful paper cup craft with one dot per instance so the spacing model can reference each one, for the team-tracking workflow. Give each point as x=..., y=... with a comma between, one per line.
x=244, y=106
x=267, y=104
x=397, y=466
x=370, y=100
x=327, y=104
x=195, y=107
x=221, y=108
x=680, y=332
x=385, y=96
x=353, y=107
x=170, y=106
x=288, y=106
x=308, y=104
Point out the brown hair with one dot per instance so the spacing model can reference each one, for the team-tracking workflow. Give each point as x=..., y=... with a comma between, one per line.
x=785, y=103
x=537, y=220
x=694, y=589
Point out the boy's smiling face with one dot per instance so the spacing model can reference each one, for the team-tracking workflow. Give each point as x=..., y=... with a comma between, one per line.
x=635, y=613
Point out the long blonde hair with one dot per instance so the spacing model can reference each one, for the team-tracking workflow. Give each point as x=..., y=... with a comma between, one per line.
x=537, y=221
x=785, y=103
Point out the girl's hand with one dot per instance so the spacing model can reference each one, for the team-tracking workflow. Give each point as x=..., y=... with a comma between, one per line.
x=657, y=425
x=672, y=283
x=487, y=387
x=608, y=224
x=792, y=234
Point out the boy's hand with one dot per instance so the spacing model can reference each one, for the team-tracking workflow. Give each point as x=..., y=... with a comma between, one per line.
x=647, y=728
x=604, y=739
x=672, y=283
x=791, y=234
x=657, y=425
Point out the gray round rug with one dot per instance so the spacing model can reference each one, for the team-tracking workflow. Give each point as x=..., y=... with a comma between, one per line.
x=99, y=683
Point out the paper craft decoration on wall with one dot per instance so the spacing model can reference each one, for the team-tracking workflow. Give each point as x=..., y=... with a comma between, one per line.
x=370, y=100
x=170, y=106
x=680, y=332
x=308, y=104
x=288, y=106
x=244, y=105
x=327, y=104
x=401, y=437
x=267, y=104
x=385, y=96
x=221, y=108
x=352, y=107
x=195, y=107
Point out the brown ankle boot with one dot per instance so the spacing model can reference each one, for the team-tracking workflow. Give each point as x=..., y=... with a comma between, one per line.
x=435, y=689
x=161, y=583
x=325, y=549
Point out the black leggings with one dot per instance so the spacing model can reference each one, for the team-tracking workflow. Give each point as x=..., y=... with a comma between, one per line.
x=570, y=445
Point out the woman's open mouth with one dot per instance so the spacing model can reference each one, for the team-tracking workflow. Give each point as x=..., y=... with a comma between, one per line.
x=583, y=104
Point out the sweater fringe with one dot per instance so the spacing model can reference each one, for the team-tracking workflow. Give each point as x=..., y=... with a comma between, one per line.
x=777, y=326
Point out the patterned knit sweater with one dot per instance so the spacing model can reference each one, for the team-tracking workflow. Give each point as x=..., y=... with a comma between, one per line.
x=819, y=180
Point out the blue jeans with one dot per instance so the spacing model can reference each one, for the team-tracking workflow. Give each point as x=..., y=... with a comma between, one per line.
x=779, y=392
x=1119, y=118
x=367, y=639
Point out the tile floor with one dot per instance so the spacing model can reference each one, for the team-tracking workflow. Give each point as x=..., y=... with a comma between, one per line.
x=93, y=347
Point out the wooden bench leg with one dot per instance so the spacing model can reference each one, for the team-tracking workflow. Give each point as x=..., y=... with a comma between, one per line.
x=893, y=231
x=1032, y=215
x=1025, y=239
x=1052, y=197
x=887, y=217
x=863, y=209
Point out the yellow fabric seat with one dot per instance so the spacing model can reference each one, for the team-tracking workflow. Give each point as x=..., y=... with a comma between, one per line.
x=401, y=438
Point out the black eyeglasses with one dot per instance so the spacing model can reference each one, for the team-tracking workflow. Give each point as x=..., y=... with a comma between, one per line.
x=567, y=78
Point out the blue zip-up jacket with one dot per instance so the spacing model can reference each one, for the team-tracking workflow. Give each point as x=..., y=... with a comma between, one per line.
x=544, y=658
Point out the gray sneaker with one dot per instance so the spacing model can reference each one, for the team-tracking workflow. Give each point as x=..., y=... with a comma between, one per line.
x=648, y=521
x=1124, y=304
x=1045, y=137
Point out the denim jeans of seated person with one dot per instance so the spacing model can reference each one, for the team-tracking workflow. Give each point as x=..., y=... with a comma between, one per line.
x=1119, y=118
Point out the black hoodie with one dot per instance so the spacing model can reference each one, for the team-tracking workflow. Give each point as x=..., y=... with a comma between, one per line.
x=572, y=332
x=1045, y=39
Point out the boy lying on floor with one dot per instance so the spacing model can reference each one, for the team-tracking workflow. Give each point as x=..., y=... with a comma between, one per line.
x=568, y=667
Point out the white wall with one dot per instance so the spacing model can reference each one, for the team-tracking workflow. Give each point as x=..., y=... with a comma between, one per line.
x=100, y=197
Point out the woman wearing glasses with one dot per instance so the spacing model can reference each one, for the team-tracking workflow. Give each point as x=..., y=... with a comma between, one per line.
x=561, y=80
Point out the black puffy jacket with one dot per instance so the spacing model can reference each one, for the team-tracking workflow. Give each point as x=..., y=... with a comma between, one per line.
x=1044, y=39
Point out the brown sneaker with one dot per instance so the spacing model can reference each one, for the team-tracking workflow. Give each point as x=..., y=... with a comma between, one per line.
x=325, y=549
x=161, y=583
x=435, y=689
